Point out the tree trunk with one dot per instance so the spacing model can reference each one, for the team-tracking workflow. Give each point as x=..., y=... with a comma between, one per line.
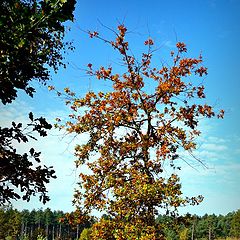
x=22, y=229
x=60, y=231
x=31, y=233
x=53, y=232
x=192, y=231
x=47, y=231
x=77, y=230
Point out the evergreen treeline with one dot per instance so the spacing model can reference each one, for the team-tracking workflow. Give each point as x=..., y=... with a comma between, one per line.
x=38, y=224
x=49, y=225
x=207, y=227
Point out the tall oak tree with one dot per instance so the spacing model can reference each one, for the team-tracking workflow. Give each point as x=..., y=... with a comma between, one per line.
x=133, y=131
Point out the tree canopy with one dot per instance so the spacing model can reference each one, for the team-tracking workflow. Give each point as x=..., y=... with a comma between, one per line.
x=133, y=131
x=31, y=42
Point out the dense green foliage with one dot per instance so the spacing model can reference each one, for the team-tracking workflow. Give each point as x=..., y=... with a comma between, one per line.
x=53, y=225
x=31, y=40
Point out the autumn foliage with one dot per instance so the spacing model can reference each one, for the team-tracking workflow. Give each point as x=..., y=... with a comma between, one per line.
x=133, y=134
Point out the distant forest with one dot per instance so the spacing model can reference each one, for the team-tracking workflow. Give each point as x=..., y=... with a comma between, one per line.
x=48, y=225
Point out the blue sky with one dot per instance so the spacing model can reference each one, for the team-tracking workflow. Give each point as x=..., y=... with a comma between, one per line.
x=209, y=27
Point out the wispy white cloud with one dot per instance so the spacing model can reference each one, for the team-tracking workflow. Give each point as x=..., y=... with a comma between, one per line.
x=17, y=111
x=214, y=147
x=214, y=139
x=169, y=44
